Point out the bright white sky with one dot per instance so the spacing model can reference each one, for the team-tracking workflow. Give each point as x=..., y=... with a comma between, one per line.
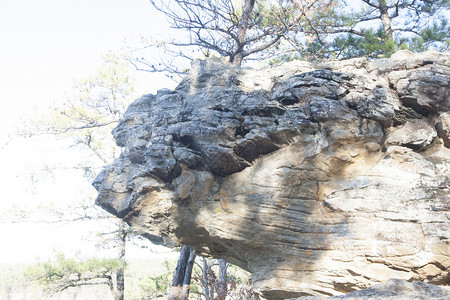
x=44, y=46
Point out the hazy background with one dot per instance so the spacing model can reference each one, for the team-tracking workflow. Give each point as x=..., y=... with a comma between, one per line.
x=44, y=46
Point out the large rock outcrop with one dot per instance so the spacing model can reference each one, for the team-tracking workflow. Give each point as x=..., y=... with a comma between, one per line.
x=320, y=179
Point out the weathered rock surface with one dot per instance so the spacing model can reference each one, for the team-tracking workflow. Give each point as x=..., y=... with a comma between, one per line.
x=319, y=179
x=395, y=289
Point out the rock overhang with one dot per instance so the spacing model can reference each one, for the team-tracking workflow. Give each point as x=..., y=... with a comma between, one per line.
x=317, y=179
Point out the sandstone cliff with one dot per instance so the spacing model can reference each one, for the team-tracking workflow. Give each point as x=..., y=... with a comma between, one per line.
x=320, y=179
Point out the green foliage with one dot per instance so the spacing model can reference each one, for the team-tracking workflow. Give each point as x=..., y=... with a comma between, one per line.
x=268, y=14
x=377, y=44
x=159, y=284
x=284, y=57
x=378, y=29
x=58, y=274
x=371, y=44
x=13, y=283
x=436, y=35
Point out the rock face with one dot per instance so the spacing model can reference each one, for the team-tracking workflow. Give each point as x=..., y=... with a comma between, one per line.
x=394, y=289
x=320, y=179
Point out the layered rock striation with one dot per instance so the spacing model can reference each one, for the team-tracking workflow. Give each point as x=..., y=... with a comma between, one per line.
x=320, y=179
x=393, y=289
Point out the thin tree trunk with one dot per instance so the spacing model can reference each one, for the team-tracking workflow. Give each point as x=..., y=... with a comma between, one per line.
x=120, y=279
x=182, y=276
x=242, y=31
x=205, y=279
x=111, y=287
x=223, y=287
x=385, y=19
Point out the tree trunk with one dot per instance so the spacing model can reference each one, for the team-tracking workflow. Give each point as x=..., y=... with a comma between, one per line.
x=205, y=280
x=385, y=19
x=120, y=279
x=223, y=288
x=242, y=31
x=182, y=276
x=111, y=286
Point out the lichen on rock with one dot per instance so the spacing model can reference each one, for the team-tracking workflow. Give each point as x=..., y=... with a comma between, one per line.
x=320, y=179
